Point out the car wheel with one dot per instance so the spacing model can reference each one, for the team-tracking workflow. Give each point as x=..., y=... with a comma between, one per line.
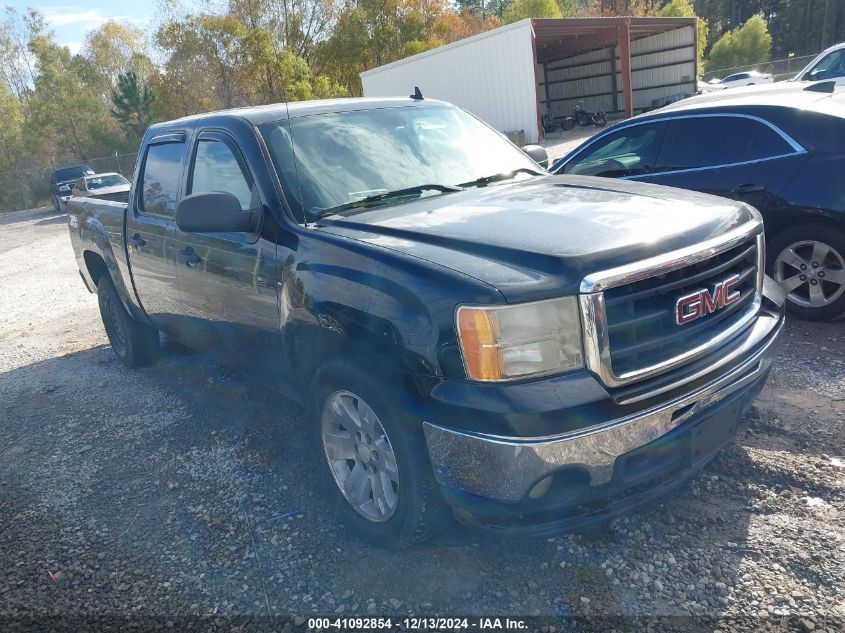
x=56, y=204
x=135, y=343
x=809, y=264
x=374, y=466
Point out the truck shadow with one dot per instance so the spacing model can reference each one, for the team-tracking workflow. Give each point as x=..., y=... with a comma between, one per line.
x=202, y=484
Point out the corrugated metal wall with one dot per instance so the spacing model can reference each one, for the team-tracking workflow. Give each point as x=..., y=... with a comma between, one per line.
x=491, y=75
x=661, y=66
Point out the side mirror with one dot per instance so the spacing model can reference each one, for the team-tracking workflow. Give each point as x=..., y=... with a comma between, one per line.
x=538, y=154
x=214, y=212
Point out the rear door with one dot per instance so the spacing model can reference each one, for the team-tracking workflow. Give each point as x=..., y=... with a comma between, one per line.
x=736, y=156
x=227, y=281
x=150, y=228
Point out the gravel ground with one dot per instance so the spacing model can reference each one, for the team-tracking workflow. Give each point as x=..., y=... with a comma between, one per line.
x=179, y=490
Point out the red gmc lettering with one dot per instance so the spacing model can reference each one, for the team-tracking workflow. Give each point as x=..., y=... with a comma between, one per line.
x=702, y=302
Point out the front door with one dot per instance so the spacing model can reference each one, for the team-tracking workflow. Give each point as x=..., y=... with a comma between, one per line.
x=150, y=227
x=227, y=281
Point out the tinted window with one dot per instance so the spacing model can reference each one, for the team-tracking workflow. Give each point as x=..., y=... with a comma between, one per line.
x=216, y=168
x=629, y=152
x=160, y=185
x=765, y=142
x=707, y=142
x=736, y=77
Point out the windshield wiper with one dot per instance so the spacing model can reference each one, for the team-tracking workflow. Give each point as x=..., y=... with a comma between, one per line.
x=388, y=195
x=505, y=175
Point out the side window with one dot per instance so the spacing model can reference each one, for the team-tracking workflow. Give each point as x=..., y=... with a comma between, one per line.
x=217, y=168
x=765, y=142
x=628, y=152
x=710, y=141
x=829, y=67
x=160, y=184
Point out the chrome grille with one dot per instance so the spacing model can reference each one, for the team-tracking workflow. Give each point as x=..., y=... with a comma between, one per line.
x=629, y=313
x=641, y=316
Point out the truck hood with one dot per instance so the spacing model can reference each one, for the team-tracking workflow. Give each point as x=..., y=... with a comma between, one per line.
x=541, y=236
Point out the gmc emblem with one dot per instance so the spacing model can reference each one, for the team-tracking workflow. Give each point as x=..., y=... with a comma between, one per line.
x=701, y=302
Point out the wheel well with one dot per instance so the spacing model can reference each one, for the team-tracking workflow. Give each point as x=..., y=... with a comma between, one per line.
x=96, y=266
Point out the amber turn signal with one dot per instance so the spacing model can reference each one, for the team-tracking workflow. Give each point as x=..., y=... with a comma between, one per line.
x=477, y=329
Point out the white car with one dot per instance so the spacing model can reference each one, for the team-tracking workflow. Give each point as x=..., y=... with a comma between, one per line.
x=748, y=78
x=829, y=64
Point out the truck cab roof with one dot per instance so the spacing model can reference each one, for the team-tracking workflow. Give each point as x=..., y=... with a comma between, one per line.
x=257, y=115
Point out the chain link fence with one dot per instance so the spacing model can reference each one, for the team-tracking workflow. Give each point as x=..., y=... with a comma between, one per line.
x=30, y=188
x=779, y=69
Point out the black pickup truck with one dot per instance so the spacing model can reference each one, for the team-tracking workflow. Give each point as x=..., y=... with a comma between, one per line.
x=534, y=352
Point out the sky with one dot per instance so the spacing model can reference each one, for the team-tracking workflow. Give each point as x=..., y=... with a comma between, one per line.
x=72, y=19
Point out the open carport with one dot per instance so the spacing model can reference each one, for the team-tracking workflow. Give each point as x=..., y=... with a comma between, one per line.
x=509, y=75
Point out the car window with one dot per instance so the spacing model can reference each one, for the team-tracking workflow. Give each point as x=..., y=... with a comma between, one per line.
x=108, y=180
x=628, y=152
x=160, y=184
x=736, y=77
x=216, y=168
x=829, y=67
x=706, y=142
x=765, y=142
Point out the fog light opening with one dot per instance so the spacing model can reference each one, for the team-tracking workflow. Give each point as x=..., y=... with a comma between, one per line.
x=540, y=488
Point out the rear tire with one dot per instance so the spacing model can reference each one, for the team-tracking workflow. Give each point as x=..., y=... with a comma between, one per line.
x=815, y=292
x=391, y=500
x=135, y=343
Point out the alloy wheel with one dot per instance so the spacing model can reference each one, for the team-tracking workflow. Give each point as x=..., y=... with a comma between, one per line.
x=811, y=273
x=360, y=456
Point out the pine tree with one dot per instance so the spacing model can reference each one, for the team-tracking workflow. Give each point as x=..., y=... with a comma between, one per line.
x=132, y=104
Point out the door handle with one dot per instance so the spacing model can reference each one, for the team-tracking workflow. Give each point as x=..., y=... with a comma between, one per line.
x=137, y=241
x=188, y=257
x=749, y=188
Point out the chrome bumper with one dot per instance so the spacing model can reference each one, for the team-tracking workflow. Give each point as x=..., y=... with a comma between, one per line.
x=506, y=468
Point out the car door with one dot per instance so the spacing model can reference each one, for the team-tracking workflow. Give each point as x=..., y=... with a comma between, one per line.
x=227, y=281
x=731, y=155
x=150, y=228
x=626, y=152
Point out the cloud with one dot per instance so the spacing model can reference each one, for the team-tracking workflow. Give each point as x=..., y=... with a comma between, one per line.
x=86, y=19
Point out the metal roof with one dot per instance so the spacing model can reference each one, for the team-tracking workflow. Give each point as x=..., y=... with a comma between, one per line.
x=563, y=37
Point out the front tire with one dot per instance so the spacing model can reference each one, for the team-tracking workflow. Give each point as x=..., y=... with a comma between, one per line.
x=135, y=343
x=373, y=461
x=808, y=261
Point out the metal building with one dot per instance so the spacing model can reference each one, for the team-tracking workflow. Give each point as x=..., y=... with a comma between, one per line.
x=509, y=75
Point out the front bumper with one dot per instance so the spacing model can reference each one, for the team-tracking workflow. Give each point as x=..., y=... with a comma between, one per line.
x=528, y=479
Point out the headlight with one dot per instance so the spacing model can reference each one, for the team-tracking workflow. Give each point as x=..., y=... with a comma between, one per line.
x=531, y=339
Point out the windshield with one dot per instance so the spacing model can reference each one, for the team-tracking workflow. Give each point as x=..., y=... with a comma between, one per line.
x=108, y=180
x=341, y=158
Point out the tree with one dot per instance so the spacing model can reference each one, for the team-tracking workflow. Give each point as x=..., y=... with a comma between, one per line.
x=521, y=9
x=116, y=49
x=684, y=9
x=747, y=45
x=133, y=103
